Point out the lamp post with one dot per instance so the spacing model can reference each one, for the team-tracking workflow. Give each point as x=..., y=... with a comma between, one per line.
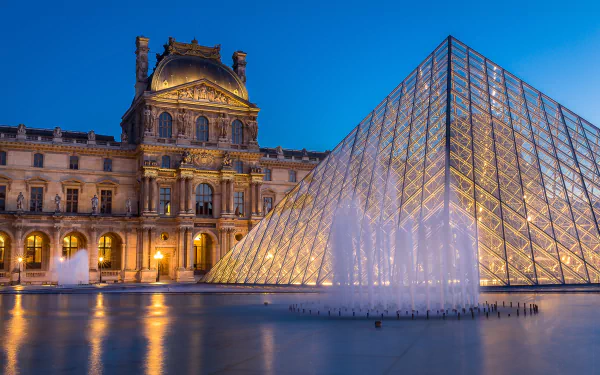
x=158, y=256
x=20, y=260
x=100, y=260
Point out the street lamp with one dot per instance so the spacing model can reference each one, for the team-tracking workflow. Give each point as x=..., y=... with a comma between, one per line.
x=158, y=256
x=20, y=260
x=100, y=260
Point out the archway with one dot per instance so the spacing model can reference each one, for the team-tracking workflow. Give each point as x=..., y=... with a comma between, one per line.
x=36, y=251
x=5, y=251
x=109, y=249
x=203, y=247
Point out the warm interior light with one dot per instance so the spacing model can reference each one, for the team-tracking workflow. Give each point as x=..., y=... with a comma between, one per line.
x=158, y=255
x=101, y=259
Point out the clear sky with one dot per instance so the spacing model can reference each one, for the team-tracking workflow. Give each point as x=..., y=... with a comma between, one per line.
x=314, y=68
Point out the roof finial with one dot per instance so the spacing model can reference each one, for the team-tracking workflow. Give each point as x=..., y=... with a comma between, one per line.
x=194, y=41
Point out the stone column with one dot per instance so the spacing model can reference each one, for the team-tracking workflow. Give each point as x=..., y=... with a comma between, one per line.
x=188, y=195
x=181, y=249
x=230, y=238
x=145, y=193
x=149, y=260
x=230, y=197
x=93, y=251
x=145, y=248
x=138, y=248
x=251, y=198
x=55, y=251
x=190, y=247
x=223, y=196
x=156, y=195
x=259, y=199
x=151, y=194
x=16, y=250
x=182, y=195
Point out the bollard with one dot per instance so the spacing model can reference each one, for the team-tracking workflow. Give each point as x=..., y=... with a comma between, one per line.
x=487, y=315
x=427, y=314
x=473, y=314
x=509, y=315
x=498, y=314
x=518, y=304
x=367, y=314
x=517, y=312
x=444, y=316
x=340, y=313
x=502, y=303
x=309, y=312
x=398, y=316
x=381, y=316
x=353, y=313
x=413, y=316
x=511, y=304
x=458, y=316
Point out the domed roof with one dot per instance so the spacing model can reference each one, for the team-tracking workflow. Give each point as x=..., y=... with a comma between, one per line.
x=175, y=70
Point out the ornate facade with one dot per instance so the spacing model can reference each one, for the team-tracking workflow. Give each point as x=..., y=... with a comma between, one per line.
x=188, y=178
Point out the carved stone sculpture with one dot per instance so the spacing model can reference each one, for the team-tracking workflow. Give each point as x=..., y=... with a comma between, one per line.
x=124, y=138
x=279, y=150
x=148, y=120
x=95, y=205
x=181, y=117
x=57, y=132
x=187, y=157
x=21, y=130
x=253, y=129
x=222, y=124
x=128, y=206
x=91, y=135
x=227, y=160
x=57, y=203
x=20, y=201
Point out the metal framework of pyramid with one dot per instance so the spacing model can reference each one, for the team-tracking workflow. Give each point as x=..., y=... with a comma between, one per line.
x=459, y=139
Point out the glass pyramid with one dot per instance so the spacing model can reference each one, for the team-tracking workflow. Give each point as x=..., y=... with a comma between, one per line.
x=461, y=140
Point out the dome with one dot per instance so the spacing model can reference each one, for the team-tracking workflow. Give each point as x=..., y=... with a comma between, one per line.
x=177, y=70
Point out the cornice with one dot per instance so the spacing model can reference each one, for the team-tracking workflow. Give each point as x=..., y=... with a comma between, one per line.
x=67, y=148
x=288, y=164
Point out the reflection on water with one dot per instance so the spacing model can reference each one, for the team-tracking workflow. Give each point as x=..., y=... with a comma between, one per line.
x=155, y=327
x=16, y=330
x=96, y=335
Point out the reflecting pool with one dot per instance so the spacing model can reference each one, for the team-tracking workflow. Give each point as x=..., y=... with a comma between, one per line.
x=110, y=333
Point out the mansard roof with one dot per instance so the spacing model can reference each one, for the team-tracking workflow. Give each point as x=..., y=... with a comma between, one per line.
x=7, y=129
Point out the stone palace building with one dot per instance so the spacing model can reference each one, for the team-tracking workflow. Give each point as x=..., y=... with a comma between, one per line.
x=188, y=178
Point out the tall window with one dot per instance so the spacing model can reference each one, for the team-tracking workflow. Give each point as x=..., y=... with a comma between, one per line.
x=70, y=246
x=73, y=162
x=267, y=204
x=204, y=199
x=202, y=248
x=107, y=165
x=292, y=176
x=165, y=125
x=105, y=201
x=38, y=160
x=36, y=199
x=237, y=132
x=105, y=251
x=165, y=201
x=2, y=197
x=33, y=252
x=2, y=251
x=239, y=166
x=267, y=174
x=72, y=200
x=2, y=157
x=202, y=129
x=165, y=162
x=238, y=203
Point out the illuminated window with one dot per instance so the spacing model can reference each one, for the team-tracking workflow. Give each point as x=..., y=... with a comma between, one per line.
x=267, y=204
x=72, y=200
x=2, y=251
x=202, y=129
x=73, y=162
x=292, y=176
x=165, y=201
x=238, y=203
x=2, y=197
x=107, y=165
x=165, y=162
x=267, y=174
x=70, y=246
x=105, y=201
x=237, y=132
x=202, y=249
x=105, y=251
x=165, y=125
x=38, y=160
x=204, y=200
x=2, y=158
x=33, y=252
x=36, y=200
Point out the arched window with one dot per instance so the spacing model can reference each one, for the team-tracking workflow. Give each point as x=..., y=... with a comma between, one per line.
x=202, y=250
x=237, y=132
x=105, y=251
x=204, y=199
x=2, y=251
x=165, y=125
x=202, y=129
x=165, y=162
x=33, y=252
x=38, y=160
x=70, y=246
x=2, y=157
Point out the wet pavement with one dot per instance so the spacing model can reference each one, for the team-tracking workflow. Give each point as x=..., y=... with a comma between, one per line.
x=181, y=333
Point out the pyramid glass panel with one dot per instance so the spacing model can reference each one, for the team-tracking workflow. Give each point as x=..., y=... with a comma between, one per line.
x=460, y=141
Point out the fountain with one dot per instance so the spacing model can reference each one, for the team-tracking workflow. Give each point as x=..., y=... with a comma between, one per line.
x=74, y=270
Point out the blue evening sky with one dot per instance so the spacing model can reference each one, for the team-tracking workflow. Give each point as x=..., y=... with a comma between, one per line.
x=314, y=68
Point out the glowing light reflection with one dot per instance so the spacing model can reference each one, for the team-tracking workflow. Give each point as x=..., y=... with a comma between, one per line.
x=156, y=324
x=15, y=333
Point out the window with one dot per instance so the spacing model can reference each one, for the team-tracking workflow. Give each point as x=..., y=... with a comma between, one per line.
x=37, y=199
x=165, y=201
x=73, y=162
x=2, y=197
x=165, y=125
x=72, y=200
x=204, y=198
x=105, y=251
x=202, y=249
x=70, y=246
x=267, y=204
x=237, y=132
x=165, y=162
x=239, y=166
x=238, y=203
x=33, y=253
x=2, y=158
x=2, y=248
x=107, y=165
x=105, y=201
x=292, y=176
x=202, y=129
x=267, y=175
x=38, y=160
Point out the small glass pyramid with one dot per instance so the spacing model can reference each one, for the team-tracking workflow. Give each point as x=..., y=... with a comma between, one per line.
x=461, y=142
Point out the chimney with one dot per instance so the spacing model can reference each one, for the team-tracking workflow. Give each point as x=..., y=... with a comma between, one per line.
x=239, y=64
x=141, y=65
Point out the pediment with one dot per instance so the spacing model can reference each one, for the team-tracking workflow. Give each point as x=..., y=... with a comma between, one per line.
x=202, y=91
